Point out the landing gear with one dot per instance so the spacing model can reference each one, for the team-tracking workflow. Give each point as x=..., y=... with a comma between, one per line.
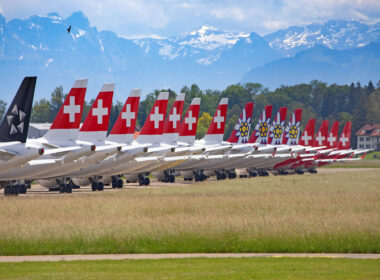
x=231, y=174
x=97, y=186
x=15, y=189
x=117, y=182
x=144, y=181
x=199, y=176
x=252, y=173
x=263, y=173
x=299, y=171
x=313, y=171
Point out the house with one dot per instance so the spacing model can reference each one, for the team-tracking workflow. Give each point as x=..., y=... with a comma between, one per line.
x=369, y=137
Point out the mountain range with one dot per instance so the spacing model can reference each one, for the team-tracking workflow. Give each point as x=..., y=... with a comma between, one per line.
x=333, y=51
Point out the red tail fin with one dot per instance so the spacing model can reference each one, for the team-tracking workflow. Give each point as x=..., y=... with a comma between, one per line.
x=172, y=123
x=124, y=127
x=333, y=136
x=292, y=130
x=189, y=124
x=154, y=124
x=215, y=131
x=321, y=138
x=307, y=137
x=277, y=128
x=261, y=132
x=240, y=133
x=345, y=137
x=66, y=123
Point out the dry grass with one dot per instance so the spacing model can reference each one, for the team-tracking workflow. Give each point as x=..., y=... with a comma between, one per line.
x=310, y=213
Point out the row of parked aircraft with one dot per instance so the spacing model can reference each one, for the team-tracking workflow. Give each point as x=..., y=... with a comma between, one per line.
x=70, y=155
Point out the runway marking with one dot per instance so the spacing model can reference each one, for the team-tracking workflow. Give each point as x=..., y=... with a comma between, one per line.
x=56, y=258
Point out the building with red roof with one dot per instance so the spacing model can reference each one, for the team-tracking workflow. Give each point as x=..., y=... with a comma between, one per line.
x=369, y=137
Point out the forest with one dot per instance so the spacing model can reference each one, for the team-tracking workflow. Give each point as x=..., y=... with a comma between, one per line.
x=355, y=102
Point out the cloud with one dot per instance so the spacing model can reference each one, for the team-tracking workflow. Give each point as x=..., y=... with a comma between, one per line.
x=169, y=17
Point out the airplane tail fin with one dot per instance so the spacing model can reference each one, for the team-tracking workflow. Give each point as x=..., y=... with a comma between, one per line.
x=261, y=132
x=173, y=122
x=292, y=130
x=95, y=125
x=345, y=137
x=189, y=123
x=15, y=124
x=277, y=128
x=240, y=133
x=321, y=137
x=307, y=137
x=332, y=138
x=154, y=123
x=66, y=124
x=124, y=128
x=215, y=131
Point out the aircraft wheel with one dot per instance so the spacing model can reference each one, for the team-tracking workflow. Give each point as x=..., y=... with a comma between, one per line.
x=171, y=179
x=100, y=186
x=22, y=189
x=7, y=190
x=62, y=188
x=141, y=181
x=120, y=184
x=68, y=189
x=146, y=181
x=94, y=186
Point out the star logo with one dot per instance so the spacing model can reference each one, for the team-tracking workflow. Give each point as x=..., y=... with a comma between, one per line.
x=16, y=114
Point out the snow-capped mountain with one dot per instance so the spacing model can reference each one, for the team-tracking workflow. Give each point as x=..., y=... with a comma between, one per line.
x=207, y=56
x=334, y=34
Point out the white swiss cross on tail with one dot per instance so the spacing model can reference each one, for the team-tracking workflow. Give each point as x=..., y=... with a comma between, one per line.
x=331, y=139
x=100, y=111
x=190, y=120
x=128, y=115
x=343, y=139
x=174, y=117
x=218, y=119
x=71, y=109
x=156, y=117
x=320, y=138
x=306, y=138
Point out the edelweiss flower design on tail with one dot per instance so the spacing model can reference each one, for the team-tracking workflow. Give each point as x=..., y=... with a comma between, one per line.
x=262, y=128
x=276, y=130
x=242, y=128
x=292, y=131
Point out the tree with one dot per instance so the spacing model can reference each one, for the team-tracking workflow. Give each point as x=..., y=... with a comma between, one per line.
x=3, y=107
x=41, y=111
x=203, y=123
x=56, y=102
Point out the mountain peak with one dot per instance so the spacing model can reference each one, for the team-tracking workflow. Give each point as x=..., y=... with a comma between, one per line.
x=79, y=20
x=204, y=29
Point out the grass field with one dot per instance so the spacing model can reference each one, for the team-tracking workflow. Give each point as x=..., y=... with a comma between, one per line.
x=329, y=212
x=244, y=268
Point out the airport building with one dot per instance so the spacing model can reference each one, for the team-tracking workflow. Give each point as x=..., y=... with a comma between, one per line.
x=37, y=130
x=369, y=137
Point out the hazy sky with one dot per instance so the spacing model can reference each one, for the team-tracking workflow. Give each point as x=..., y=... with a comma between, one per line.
x=171, y=17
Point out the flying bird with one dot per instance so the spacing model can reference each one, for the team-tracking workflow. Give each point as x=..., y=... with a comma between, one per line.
x=69, y=29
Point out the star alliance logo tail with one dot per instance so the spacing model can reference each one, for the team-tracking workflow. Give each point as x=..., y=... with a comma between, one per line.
x=15, y=124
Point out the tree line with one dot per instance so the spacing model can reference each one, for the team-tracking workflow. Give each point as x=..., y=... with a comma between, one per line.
x=356, y=103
